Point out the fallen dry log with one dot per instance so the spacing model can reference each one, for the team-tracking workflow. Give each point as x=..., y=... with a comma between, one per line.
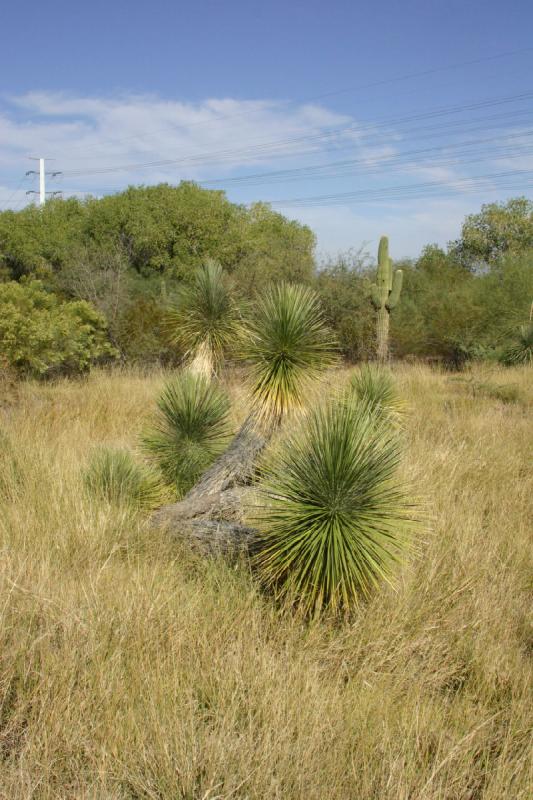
x=211, y=515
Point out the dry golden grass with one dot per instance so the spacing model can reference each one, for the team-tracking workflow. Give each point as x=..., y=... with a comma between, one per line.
x=131, y=669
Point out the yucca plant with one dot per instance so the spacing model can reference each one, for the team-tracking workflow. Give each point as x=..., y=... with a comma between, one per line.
x=373, y=385
x=520, y=351
x=288, y=345
x=205, y=320
x=189, y=430
x=334, y=516
x=115, y=476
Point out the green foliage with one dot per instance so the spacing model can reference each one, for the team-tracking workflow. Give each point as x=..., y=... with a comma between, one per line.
x=288, y=345
x=498, y=229
x=205, y=321
x=114, y=476
x=373, y=386
x=520, y=349
x=456, y=315
x=190, y=429
x=334, y=517
x=161, y=229
x=40, y=335
x=343, y=286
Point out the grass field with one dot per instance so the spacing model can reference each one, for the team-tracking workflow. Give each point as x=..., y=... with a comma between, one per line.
x=129, y=668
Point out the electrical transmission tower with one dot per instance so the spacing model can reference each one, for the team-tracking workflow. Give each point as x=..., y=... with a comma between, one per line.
x=42, y=181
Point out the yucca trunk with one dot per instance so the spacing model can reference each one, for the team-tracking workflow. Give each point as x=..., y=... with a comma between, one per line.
x=210, y=516
x=202, y=362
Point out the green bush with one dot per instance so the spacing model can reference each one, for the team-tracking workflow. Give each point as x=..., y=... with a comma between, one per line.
x=41, y=335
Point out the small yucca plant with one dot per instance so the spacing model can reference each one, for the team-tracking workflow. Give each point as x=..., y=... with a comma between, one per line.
x=335, y=517
x=288, y=345
x=520, y=351
x=373, y=386
x=114, y=475
x=205, y=320
x=190, y=429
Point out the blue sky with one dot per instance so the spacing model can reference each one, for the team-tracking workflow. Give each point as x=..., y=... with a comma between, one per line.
x=355, y=118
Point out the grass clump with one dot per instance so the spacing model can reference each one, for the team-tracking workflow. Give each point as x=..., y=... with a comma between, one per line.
x=190, y=429
x=336, y=517
x=115, y=476
x=288, y=345
x=504, y=393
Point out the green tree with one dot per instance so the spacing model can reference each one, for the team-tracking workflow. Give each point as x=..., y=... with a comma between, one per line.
x=499, y=228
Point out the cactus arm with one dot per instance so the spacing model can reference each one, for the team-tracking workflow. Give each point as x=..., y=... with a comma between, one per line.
x=384, y=276
x=375, y=296
x=396, y=289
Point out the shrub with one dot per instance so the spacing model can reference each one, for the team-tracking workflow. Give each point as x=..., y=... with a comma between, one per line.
x=335, y=516
x=40, y=335
x=114, y=476
x=190, y=429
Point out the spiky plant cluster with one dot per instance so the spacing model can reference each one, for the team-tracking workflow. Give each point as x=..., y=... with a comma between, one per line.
x=373, y=385
x=288, y=346
x=334, y=517
x=189, y=430
x=520, y=351
x=205, y=320
x=115, y=476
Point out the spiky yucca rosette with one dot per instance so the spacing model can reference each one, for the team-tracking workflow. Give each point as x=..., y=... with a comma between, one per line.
x=205, y=320
x=288, y=346
x=334, y=517
x=373, y=385
x=189, y=430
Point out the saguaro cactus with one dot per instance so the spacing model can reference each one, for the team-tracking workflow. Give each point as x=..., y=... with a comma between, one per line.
x=384, y=295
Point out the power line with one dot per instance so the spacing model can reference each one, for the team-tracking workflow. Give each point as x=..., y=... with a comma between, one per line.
x=402, y=191
x=312, y=98
x=311, y=171
x=254, y=149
